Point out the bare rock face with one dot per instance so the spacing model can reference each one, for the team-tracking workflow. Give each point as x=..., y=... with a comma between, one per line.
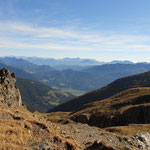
x=9, y=93
x=143, y=140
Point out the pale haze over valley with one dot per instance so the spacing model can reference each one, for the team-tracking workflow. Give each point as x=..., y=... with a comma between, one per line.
x=104, y=30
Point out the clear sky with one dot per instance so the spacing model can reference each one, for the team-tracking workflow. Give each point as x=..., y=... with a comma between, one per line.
x=99, y=29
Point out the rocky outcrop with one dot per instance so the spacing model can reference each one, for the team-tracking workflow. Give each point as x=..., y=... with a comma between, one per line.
x=9, y=93
x=134, y=114
x=143, y=140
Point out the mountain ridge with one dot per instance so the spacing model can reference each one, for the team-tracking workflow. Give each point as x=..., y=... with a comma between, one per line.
x=84, y=80
x=140, y=80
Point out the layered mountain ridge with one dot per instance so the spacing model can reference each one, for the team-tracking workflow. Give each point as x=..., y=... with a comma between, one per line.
x=87, y=78
x=140, y=80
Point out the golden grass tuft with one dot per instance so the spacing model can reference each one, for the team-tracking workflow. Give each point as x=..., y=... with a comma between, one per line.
x=21, y=129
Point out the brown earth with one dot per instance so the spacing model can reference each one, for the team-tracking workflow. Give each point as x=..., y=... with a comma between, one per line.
x=21, y=129
x=130, y=106
x=121, y=120
x=112, y=138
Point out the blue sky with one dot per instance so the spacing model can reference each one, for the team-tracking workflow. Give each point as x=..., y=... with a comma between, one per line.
x=99, y=29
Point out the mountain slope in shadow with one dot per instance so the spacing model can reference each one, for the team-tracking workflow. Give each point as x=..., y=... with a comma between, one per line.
x=39, y=97
x=129, y=106
x=140, y=80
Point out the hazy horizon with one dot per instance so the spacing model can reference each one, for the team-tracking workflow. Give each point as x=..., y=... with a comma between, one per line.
x=61, y=58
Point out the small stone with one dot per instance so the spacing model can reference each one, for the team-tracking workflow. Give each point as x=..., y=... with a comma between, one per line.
x=90, y=135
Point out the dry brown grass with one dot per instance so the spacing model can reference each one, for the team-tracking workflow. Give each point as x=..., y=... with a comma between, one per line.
x=15, y=131
x=54, y=116
x=125, y=148
x=20, y=129
x=119, y=101
x=116, y=105
x=129, y=130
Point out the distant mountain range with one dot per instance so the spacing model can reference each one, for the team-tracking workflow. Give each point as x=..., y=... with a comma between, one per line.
x=87, y=79
x=76, y=64
x=47, y=75
x=62, y=62
x=140, y=80
x=120, y=62
x=107, y=73
x=26, y=65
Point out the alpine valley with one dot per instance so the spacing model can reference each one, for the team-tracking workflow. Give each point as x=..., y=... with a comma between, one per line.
x=45, y=108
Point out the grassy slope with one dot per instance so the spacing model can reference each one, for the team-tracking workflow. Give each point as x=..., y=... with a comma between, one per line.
x=39, y=97
x=21, y=129
x=130, y=106
x=140, y=80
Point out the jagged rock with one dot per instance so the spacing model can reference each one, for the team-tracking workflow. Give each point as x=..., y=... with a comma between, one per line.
x=143, y=140
x=9, y=93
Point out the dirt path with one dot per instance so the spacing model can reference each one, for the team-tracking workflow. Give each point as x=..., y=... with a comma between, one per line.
x=86, y=135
